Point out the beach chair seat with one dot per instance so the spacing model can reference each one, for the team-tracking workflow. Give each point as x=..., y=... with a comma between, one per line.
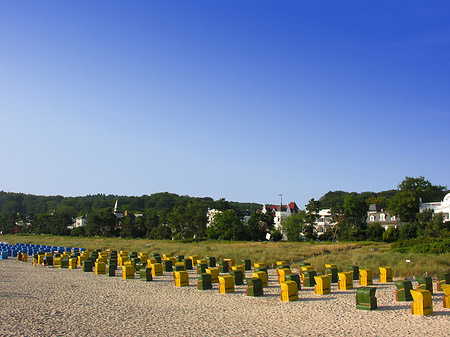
x=254, y=287
x=211, y=261
x=238, y=277
x=289, y=291
x=365, y=298
x=403, y=292
x=295, y=278
x=332, y=272
x=385, y=274
x=128, y=271
x=263, y=276
x=443, y=278
x=308, y=278
x=355, y=270
x=425, y=283
x=226, y=284
x=214, y=272
x=181, y=278
x=446, y=299
x=247, y=264
x=365, y=277
x=204, y=281
x=323, y=285
x=345, y=280
x=423, y=304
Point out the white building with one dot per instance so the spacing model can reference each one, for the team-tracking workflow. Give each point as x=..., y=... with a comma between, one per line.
x=379, y=215
x=280, y=212
x=324, y=222
x=438, y=207
x=79, y=222
x=210, y=216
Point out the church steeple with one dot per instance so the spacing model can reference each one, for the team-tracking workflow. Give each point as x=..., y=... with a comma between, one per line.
x=116, y=210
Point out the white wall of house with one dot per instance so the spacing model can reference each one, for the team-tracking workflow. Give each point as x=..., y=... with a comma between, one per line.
x=438, y=207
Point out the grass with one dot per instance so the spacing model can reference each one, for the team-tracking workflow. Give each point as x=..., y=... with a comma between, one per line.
x=364, y=254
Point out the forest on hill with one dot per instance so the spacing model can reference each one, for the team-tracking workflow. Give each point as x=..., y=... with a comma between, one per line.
x=171, y=216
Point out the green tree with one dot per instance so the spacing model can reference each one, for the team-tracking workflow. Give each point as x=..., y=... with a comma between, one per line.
x=227, y=225
x=259, y=224
x=353, y=224
x=293, y=225
x=375, y=232
x=391, y=235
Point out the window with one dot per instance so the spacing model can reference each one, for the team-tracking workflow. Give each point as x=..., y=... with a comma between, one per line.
x=393, y=218
x=372, y=218
x=383, y=217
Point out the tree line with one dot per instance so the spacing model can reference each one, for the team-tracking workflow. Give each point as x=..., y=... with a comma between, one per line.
x=170, y=216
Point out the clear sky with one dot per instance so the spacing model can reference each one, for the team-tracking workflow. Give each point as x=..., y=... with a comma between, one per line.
x=237, y=99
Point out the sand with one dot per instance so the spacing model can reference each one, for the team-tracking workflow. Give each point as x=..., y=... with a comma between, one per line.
x=43, y=301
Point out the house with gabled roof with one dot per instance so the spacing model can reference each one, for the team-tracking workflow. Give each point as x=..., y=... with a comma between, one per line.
x=280, y=211
x=377, y=214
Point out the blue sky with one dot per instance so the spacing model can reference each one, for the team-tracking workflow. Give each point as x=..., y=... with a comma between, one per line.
x=236, y=99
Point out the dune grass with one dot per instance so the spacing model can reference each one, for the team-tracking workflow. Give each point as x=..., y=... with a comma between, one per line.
x=364, y=254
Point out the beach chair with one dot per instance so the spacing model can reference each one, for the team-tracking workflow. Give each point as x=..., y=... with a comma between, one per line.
x=308, y=278
x=146, y=274
x=365, y=298
x=211, y=260
x=167, y=266
x=365, y=277
x=254, y=287
x=332, y=272
x=322, y=286
x=157, y=269
x=204, y=281
x=194, y=259
x=87, y=265
x=111, y=270
x=345, y=280
x=425, y=283
x=446, y=299
x=443, y=278
x=247, y=264
x=282, y=274
x=214, y=272
x=355, y=270
x=223, y=266
x=263, y=276
x=385, y=274
x=226, y=284
x=188, y=264
x=180, y=258
x=403, y=292
x=128, y=271
x=423, y=304
x=201, y=268
x=289, y=291
x=181, y=278
x=293, y=277
x=238, y=277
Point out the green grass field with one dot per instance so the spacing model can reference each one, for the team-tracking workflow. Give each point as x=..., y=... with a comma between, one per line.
x=364, y=254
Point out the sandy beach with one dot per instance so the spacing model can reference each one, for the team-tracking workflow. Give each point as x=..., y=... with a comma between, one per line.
x=42, y=301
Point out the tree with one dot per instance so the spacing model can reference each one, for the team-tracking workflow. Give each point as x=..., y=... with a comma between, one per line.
x=391, y=235
x=406, y=202
x=259, y=224
x=102, y=223
x=353, y=223
x=293, y=225
x=375, y=232
x=226, y=225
